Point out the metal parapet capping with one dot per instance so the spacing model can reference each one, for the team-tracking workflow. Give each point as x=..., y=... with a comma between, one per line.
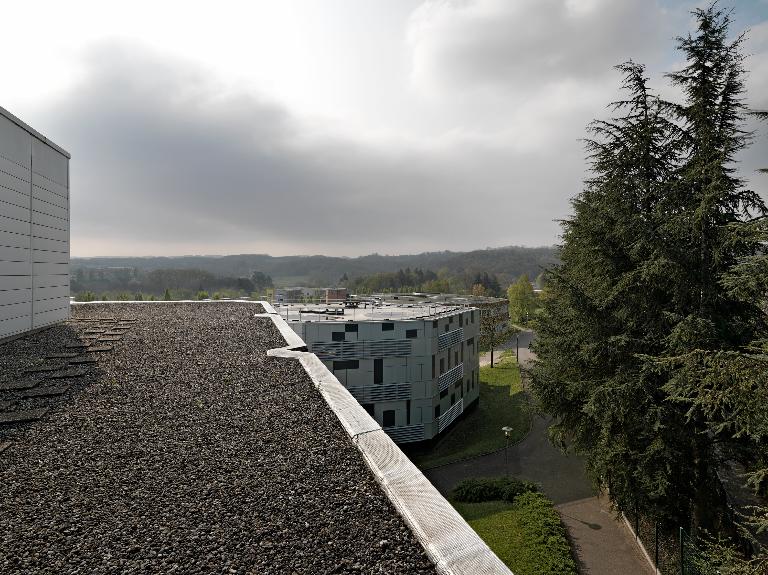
x=451, y=544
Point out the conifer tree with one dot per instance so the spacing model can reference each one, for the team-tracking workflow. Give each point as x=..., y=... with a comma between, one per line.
x=647, y=282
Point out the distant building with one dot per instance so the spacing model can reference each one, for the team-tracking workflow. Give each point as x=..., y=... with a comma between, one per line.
x=335, y=295
x=413, y=367
x=34, y=229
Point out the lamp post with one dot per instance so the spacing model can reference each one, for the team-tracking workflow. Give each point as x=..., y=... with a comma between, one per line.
x=507, y=434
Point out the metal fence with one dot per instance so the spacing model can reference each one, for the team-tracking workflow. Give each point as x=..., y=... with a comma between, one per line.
x=661, y=545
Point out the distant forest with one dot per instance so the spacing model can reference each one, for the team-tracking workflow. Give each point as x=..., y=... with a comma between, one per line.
x=506, y=263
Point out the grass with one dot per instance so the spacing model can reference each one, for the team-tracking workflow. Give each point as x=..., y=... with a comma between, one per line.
x=502, y=402
x=526, y=535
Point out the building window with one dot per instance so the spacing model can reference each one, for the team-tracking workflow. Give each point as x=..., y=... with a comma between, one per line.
x=369, y=407
x=408, y=412
x=461, y=320
x=411, y=333
x=387, y=327
x=337, y=336
x=378, y=370
x=472, y=316
x=347, y=364
x=456, y=357
x=437, y=411
x=462, y=354
x=450, y=319
x=434, y=324
x=388, y=418
x=453, y=398
x=443, y=393
x=446, y=327
x=433, y=367
x=442, y=365
x=351, y=327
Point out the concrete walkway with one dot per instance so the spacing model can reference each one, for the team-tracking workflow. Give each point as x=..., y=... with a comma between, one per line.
x=603, y=545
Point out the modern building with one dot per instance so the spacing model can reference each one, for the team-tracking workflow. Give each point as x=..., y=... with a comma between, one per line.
x=34, y=229
x=413, y=367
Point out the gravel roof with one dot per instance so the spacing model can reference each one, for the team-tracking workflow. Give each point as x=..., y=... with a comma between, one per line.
x=184, y=449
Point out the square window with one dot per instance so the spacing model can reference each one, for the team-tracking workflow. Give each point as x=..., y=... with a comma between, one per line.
x=410, y=333
x=337, y=336
x=387, y=327
x=351, y=327
x=434, y=323
x=388, y=418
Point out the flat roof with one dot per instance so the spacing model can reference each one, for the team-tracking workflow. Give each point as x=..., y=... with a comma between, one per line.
x=368, y=312
x=179, y=444
x=27, y=128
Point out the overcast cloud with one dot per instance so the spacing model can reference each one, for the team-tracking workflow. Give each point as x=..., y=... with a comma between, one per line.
x=390, y=126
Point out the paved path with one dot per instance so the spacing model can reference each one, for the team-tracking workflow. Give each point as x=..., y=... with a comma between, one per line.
x=520, y=343
x=603, y=545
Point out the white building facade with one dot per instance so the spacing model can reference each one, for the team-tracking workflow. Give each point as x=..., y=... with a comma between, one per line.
x=414, y=369
x=34, y=229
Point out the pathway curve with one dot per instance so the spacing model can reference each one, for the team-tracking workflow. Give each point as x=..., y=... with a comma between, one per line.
x=603, y=545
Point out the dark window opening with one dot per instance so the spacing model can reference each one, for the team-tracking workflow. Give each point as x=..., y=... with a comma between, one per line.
x=337, y=336
x=446, y=327
x=453, y=398
x=346, y=364
x=472, y=316
x=450, y=319
x=456, y=357
x=443, y=393
x=434, y=323
x=442, y=365
x=387, y=327
x=433, y=367
x=388, y=418
x=378, y=370
x=437, y=411
x=410, y=333
x=350, y=327
x=408, y=412
x=461, y=320
x=369, y=407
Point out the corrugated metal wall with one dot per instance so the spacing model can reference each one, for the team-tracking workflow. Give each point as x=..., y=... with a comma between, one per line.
x=34, y=231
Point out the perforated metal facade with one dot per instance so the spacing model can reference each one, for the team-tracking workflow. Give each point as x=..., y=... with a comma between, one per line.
x=414, y=375
x=34, y=229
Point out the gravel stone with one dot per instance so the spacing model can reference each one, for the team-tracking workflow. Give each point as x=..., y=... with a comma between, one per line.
x=188, y=450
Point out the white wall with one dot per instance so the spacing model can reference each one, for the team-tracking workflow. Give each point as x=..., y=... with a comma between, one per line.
x=34, y=230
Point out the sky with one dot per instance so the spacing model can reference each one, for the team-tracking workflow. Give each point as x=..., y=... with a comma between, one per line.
x=338, y=127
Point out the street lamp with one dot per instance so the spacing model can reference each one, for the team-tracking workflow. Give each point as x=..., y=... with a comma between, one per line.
x=507, y=434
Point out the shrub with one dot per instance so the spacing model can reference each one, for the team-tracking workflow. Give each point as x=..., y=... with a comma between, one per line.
x=492, y=489
x=202, y=294
x=550, y=552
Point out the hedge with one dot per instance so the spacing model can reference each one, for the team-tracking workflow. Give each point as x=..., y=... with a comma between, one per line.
x=492, y=489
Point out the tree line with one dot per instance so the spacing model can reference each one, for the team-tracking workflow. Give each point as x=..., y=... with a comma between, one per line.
x=89, y=284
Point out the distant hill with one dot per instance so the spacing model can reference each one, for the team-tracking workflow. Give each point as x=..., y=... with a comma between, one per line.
x=507, y=263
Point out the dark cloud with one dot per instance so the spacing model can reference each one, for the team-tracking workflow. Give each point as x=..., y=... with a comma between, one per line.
x=166, y=160
x=163, y=158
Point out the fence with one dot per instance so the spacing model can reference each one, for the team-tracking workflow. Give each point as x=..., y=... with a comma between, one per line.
x=661, y=545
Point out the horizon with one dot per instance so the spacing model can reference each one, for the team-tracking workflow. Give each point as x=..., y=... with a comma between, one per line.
x=308, y=255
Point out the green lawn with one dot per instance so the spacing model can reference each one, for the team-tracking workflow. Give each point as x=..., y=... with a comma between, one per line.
x=501, y=403
x=526, y=535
